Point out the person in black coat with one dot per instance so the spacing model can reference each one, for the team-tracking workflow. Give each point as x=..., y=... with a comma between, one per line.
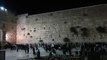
x=38, y=53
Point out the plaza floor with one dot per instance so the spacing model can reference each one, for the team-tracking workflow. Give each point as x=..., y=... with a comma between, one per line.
x=14, y=55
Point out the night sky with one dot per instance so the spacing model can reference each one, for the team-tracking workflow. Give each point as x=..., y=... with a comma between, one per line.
x=42, y=6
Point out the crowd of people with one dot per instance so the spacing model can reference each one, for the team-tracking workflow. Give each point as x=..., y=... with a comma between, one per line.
x=81, y=49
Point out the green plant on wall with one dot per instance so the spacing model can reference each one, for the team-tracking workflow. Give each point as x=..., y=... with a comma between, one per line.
x=74, y=30
x=66, y=40
x=101, y=29
x=85, y=32
x=41, y=41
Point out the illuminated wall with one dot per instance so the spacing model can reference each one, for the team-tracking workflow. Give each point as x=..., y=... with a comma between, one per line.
x=11, y=33
x=55, y=26
x=8, y=26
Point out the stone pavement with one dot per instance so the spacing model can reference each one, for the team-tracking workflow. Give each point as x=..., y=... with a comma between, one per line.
x=14, y=55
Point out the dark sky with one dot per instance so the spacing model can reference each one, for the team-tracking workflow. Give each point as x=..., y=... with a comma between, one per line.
x=41, y=6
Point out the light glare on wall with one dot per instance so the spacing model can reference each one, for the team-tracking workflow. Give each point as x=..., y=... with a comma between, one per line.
x=8, y=35
x=20, y=39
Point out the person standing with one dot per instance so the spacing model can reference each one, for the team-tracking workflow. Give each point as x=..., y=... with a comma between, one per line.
x=38, y=53
x=33, y=50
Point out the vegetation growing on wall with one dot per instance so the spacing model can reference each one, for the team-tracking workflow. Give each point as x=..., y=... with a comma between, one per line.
x=66, y=40
x=73, y=29
x=101, y=29
x=85, y=32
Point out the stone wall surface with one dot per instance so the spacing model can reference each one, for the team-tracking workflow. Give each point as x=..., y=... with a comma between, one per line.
x=55, y=26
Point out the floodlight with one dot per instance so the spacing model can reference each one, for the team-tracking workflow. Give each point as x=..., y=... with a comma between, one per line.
x=2, y=8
